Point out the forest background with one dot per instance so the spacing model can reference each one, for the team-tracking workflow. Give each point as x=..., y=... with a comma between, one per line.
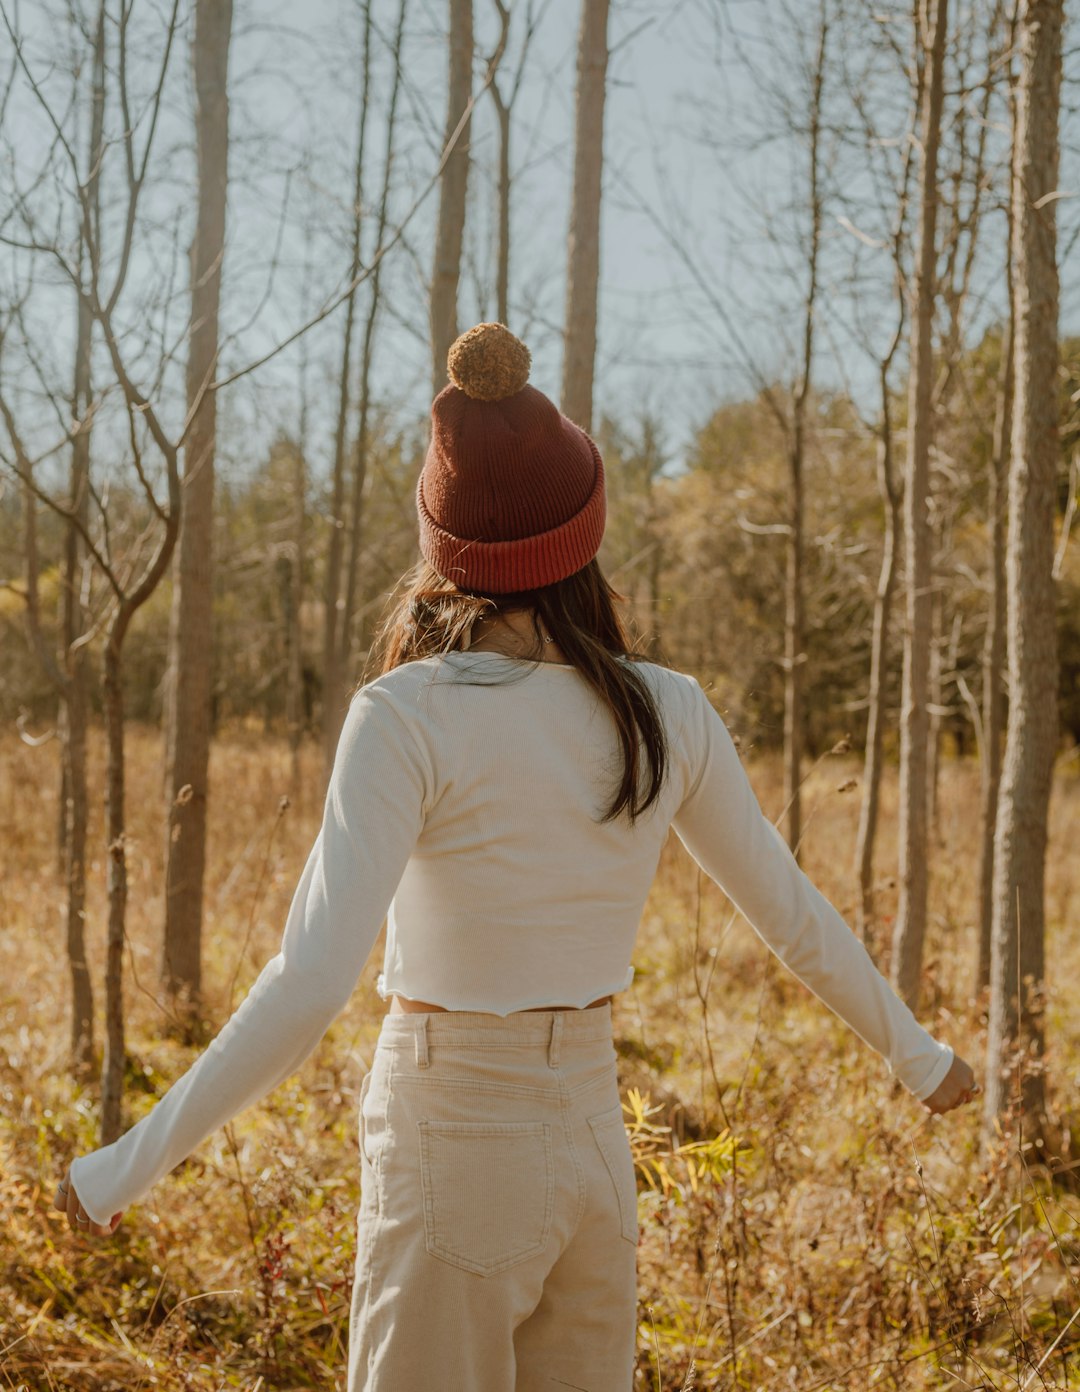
x=705, y=244
x=809, y=274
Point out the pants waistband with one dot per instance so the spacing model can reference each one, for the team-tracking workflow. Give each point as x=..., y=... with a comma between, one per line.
x=480, y=1030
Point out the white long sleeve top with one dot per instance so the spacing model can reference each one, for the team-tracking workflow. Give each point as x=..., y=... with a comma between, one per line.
x=466, y=798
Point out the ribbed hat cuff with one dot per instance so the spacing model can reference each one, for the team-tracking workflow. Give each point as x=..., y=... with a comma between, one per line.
x=529, y=563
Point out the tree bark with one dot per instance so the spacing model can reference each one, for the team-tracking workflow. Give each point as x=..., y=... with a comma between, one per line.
x=875, y=725
x=502, y=274
x=333, y=712
x=794, y=622
x=191, y=636
x=128, y=603
x=502, y=112
x=112, y=1072
x=360, y=463
x=911, y=910
x=1016, y=974
x=994, y=654
x=76, y=816
x=453, y=187
x=75, y=701
x=75, y=695
x=944, y=651
x=583, y=250
x=935, y=690
x=294, y=696
x=993, y=696
x=65, y=773
x=890, y=563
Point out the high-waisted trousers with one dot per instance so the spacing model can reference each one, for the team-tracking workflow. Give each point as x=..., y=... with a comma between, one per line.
x=497, y=1236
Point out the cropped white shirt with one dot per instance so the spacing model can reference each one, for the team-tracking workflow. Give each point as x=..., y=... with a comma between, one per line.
x=466, y=798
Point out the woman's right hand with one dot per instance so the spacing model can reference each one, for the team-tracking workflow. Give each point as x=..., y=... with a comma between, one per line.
x=957, y=1087
x=66, y=1201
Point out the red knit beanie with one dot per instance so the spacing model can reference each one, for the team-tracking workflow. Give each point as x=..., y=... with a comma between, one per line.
x=511, y=495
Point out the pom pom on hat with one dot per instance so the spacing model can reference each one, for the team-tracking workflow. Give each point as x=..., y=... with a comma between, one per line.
x=488, y=363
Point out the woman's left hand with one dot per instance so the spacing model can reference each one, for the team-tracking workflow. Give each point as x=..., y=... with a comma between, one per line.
x=956, y=1088
x=67, y=1201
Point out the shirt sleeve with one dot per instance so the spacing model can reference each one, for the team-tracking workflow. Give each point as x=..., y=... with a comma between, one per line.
x=721, y=824
x=372, y=816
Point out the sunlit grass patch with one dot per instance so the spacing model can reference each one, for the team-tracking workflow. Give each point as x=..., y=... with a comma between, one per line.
x=803, y=1223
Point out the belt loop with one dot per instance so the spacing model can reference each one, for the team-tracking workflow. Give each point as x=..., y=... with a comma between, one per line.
x=422, y=1042
x=556, y=1036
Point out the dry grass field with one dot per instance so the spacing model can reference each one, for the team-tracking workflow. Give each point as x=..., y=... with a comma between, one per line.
x=805, y=1224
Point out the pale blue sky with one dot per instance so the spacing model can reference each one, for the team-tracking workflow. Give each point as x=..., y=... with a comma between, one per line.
x=654, y=349
x=695, y=95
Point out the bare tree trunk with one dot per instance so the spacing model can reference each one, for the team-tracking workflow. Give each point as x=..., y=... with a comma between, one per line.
x=944, y=648
x=1016, y=974
x=911, y=910
x=993, y=702
x=502, y=111
x=502, y=275
x=793, y=641
x=961, y=235
x=61, y=679
x=654, y=643
x=294, y=694
x=73, y=704
x=890, y=557
x=453, y=186
x=583, y=250
x=65, y=795
x=890, y=563
x=75, y=699
x=356, y=514
x=333, y=712
x=75, y=695
x=292, y=597
x=360, y=464
x=934, y=694
x=794, y=625
x=191, y=645
x=82, y=996
x=994, y=654
x=112, y=1073
x=128, y=603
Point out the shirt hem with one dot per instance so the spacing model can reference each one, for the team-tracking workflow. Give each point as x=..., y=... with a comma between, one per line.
x=576, y=999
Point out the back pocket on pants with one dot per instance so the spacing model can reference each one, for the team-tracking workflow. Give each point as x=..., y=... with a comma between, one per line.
x=489, y=1191
x=611, y=1138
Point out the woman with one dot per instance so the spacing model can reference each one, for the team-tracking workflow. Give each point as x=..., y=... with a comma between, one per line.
x=504, y=788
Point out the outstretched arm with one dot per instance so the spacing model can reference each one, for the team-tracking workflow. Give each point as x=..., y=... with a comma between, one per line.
x=372, y=817
x=723, y=827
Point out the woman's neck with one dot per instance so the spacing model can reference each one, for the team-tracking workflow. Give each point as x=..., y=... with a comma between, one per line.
x=518, y=633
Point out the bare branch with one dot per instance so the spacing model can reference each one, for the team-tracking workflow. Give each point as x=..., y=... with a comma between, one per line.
x=396, y=236
x=23, y=469
x=135, y=180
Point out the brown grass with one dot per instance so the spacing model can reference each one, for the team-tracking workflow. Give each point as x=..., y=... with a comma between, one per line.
x=845, y=1241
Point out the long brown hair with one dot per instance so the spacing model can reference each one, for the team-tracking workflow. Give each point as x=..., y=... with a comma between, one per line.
x=433, y=616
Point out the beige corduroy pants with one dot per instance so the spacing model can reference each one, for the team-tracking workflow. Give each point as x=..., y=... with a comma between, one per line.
x=497, y=1235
